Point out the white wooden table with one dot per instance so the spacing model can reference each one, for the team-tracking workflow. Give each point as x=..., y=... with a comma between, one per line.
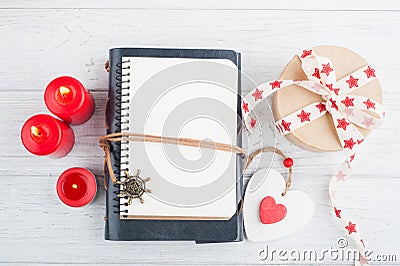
x=40, y=40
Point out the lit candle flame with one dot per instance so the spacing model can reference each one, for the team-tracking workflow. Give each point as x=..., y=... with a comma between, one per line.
x=35, y=131
x=74, y=186
x=64, y=90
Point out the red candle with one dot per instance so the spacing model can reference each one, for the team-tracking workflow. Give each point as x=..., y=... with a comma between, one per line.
x=69, y=100
x=76, y=187
x=45, y=135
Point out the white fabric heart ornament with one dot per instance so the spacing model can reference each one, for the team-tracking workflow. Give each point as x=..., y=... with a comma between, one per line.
x=267, y=214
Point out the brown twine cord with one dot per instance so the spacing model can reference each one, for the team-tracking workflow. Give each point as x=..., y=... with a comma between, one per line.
x=254, y=154
x=107, y=66
x=126, y=136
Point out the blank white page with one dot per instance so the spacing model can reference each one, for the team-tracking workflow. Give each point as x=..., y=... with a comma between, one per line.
x=186, y=98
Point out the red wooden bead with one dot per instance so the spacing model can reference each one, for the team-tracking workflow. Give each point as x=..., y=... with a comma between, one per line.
x=288, y=162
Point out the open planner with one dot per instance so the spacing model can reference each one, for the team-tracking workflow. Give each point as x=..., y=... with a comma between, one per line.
x=194, y=192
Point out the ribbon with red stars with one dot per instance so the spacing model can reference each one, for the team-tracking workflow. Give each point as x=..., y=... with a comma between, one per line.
x=346, y=111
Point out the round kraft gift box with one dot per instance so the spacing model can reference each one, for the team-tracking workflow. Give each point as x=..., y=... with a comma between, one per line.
x=320, y=135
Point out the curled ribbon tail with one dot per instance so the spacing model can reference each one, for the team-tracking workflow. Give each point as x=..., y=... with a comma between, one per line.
x=256, y=96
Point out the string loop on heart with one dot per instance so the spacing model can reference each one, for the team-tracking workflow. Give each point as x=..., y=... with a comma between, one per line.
x=254, y=154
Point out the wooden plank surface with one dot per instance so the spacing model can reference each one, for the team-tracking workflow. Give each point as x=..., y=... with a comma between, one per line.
x=41, y=40
x=355, y=5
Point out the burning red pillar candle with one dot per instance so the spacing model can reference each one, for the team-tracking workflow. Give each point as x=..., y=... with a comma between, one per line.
x=69, y=100
x=45, y=135
x=76, y=187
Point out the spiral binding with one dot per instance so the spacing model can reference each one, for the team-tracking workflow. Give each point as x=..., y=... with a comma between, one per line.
x=122, y=124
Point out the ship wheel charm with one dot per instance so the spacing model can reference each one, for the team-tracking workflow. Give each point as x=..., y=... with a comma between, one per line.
x=133, y=187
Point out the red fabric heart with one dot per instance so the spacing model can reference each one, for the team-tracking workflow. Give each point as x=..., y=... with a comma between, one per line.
x=270, y=212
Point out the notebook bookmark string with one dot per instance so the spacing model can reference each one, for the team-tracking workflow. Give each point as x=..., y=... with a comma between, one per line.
x=106, y=140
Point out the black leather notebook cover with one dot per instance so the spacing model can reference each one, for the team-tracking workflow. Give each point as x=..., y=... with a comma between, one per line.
x=146, y=230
